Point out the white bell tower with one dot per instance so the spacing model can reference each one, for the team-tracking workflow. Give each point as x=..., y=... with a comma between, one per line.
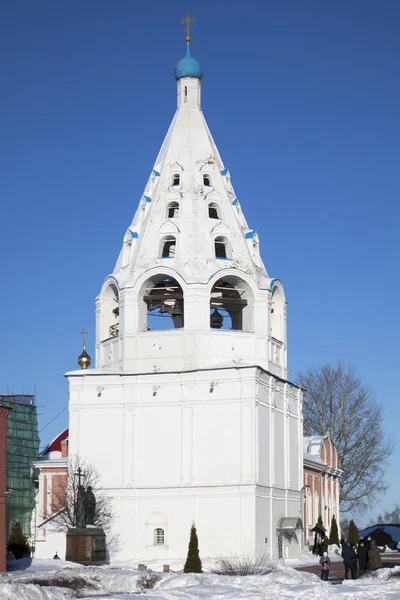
x=188, y=414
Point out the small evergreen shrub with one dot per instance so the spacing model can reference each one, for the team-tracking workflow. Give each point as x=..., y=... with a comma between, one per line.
x=147, y=581
x=17, y=541
x=334, y=535
x=193, y=562
x=353, y=533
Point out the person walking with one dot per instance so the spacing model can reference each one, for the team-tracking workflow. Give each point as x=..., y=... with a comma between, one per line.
x=374, y=556
x=349, y=556
x=323, y=547
x=362, y=557
x=325, y=563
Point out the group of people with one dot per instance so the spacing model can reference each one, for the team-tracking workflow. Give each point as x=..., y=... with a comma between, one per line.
x=357, y=560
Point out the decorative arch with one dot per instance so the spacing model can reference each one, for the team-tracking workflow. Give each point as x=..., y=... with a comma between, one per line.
x=232, y=304
x=169, y=227
x=173, y=195
x=156, y=526
x=109, y=310
x=221, y=229
x=277, y=313
x=161, y=303
x=213, y=195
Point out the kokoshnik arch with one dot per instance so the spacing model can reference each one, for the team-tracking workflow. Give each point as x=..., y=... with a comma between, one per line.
x=188, y=414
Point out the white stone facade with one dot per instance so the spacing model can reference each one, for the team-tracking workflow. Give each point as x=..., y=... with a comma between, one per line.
x=189, y=417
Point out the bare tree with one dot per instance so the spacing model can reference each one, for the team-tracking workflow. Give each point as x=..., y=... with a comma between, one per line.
x=339, y=405
x=66, y=494
x=389, y=518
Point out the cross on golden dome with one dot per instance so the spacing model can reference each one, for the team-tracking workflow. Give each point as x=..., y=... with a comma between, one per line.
x=187, y=21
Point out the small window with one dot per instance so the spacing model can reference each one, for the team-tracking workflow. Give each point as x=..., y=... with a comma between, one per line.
x=173, y=210
x=213, y=211
x=206, y=180
x=159, y=537
x=220, y=247
x=168, y=248
x=186, y=93
x=176, y=179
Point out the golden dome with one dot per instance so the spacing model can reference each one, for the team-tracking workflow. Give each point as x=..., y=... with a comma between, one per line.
x=84, y=360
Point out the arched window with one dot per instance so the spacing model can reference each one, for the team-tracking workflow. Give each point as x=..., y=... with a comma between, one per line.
x=316, y=506
x=159, y=537
x=277, y=314
x=213, y=211
x=173, y=210
x=109, y=303
x=176, y=179
x=168, y=246
x=222, y=249
x=162, y=305
x=207, y=180
x=231, y=305
x=309, y=508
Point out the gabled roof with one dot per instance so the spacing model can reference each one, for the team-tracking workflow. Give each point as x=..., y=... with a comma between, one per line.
x=55, y=444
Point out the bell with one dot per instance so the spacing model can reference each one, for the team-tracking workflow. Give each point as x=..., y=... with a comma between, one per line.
x=216, y=319
x=163, y=308
x=176, y=311
x=150, y=306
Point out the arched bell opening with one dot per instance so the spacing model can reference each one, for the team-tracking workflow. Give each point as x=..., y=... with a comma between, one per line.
x=172, y=210
x=222, y=247
x=213, y=211
x=168, y=247
x=162, y=304
x=231, y=304
x=109, y=304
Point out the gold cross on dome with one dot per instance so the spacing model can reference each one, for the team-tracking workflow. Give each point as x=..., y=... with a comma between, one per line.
x=187, y=21
x=83, y=334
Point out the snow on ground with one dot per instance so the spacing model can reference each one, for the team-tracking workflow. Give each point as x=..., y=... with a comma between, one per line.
x=119, y=582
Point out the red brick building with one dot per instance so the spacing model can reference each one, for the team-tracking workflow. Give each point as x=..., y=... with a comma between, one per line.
x=53, y=471
x=321, y=484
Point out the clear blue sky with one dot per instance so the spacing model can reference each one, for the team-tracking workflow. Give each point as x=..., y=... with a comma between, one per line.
x=303, y=102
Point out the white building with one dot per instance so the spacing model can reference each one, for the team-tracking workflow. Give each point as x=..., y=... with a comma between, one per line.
x=188, y=414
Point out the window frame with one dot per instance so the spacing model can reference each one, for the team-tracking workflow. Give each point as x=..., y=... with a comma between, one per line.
x=172, y=241
x=173, y=204
x=158, y=535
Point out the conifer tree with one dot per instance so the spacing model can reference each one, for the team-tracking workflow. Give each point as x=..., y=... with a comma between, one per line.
x=353, y=533
x=334, y=535
x=317, y=537
x=193, y=562
x=17, y=541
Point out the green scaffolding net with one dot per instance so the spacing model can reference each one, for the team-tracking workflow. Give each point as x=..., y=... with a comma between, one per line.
x=22, y=449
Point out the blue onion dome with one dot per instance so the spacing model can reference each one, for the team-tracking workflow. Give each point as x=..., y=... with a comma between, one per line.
x=188, y=67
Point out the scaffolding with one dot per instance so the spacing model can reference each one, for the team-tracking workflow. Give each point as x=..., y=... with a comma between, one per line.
x=22, y=449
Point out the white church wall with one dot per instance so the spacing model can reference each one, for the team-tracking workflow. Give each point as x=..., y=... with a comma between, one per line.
x=182, y=442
